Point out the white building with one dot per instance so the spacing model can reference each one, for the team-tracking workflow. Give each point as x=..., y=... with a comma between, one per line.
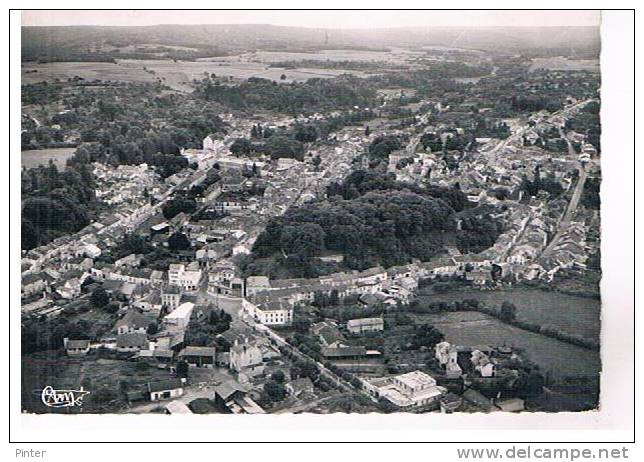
x=413, y=389
x=270, y=313
x=180, y=317
x=179, y=276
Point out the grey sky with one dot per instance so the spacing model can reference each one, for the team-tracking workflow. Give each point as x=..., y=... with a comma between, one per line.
x=323, y=19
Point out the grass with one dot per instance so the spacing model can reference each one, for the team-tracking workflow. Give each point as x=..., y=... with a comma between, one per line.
x=554, y=357
x=571, y=314
x=35, y=157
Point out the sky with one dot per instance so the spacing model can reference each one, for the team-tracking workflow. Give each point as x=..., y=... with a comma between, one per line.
x=319, y=19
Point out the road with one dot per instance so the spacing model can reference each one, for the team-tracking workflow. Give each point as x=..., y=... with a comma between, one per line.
x=572, y=205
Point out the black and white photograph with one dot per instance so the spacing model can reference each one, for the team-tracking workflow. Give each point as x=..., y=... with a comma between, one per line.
x=233, y=214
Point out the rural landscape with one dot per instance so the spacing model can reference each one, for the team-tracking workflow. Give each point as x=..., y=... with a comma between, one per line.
x=260, y=219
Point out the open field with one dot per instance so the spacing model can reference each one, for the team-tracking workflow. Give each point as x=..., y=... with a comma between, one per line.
x=397, y=56
x=35, y=157
x=568, y=313
x=472, y=328
x=177, y=75
x=560, y=63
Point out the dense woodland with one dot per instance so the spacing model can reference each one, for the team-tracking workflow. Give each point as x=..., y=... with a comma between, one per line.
x=55, y=203
x=386, y=224
x=314, y=95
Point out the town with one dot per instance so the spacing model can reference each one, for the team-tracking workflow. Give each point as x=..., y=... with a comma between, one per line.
x=426, y=240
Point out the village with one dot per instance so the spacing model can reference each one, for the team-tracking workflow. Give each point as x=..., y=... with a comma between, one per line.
x=200, y=331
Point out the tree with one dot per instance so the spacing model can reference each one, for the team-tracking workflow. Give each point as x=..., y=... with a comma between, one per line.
x=278, y=376
x=241, y=146
x=508, y=312
x=275, y=391
x=179, y=241
x=99, y=298
x=283, y=77
x=182, y=369
x=153, y=328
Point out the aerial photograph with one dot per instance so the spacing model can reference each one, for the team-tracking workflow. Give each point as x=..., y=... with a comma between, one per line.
x=234, y=217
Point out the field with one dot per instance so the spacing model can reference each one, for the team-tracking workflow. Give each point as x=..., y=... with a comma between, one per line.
x=568, y=313
x=398, y=56
x=177, y=75
x=559, y=63
x=35, y=157
x=553, y=356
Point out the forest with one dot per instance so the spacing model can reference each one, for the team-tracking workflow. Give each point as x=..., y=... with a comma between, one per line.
x=381, y=227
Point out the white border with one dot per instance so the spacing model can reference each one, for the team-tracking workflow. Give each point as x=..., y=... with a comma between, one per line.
x=612, y=423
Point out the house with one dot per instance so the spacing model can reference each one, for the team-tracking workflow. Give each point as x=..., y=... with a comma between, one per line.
x=411, y=390
x=232, y=397
x=134, y=321
x=358, y=326
x=246, y=358
x=479, y=277
x=271, y=312
x=299, y=386
x=342, y=352
x=447, y=357
x=199, y=356
x=187, y=279
x=76, y=347
x=165, y=389
x=34, y=283
x=327, y=333
x=171, y=297
x=156, y=356
x=180, y=317
x=450, y=403
x=482, y=363
x=132, y=342
x=256, y=284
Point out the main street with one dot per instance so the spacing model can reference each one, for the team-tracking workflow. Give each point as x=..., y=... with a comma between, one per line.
x=572, y=205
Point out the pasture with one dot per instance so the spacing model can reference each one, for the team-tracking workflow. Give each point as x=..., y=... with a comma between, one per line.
x=35, y=157
x=471, y=328
x=568, y=313
x=177, y=75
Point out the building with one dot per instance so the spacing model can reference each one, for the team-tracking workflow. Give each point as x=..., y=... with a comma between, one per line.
x=233, y=398
x=199, y=356
x=166, y=389
x=276, y=312
x=132, y=342
x=246, y=358
x=179, y=276
x=447, y=357
x=482, y=363
x=171, y=297
x=358, y=326
x=134, y=321
x=76, y=347
x=180, y=317
x=411, y=390
x=256, y=284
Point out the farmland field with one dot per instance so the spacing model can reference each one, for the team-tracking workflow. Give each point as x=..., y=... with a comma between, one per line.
x=177, y=75
x=559, y=63
x=396, y=56
x=568, y=313
x=34, y=157
x=553, y=356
